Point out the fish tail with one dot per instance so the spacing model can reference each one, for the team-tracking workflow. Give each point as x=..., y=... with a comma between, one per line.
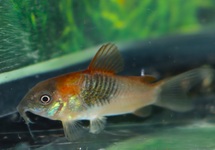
x=173, y=93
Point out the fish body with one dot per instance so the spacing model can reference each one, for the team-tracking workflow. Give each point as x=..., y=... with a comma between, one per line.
x=101, y=94
x=98, y=92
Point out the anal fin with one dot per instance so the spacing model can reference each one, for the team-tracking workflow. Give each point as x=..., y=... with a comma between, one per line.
x=143, y=112
x=97, y=125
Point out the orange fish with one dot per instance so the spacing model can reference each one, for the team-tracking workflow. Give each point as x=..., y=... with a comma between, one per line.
x=97, y=92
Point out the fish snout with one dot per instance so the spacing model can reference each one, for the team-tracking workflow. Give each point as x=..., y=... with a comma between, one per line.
x=23, y=113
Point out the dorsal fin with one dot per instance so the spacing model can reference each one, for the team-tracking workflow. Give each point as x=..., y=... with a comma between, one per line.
x=107, y=59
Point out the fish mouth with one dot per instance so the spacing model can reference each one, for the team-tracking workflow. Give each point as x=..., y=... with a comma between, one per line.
x=23, y=113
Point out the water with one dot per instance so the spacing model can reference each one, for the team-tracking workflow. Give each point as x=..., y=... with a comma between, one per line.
x=125, y=129
x=163, y=46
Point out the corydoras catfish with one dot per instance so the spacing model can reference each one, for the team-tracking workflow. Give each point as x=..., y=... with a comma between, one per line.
x=97, y=92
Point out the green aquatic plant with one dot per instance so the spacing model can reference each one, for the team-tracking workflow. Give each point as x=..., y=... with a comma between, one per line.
x=35, y=31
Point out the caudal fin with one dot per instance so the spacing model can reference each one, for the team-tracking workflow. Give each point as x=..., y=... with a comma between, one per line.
x=173, y=92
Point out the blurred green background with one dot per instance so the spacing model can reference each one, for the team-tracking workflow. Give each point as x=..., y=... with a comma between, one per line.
x=38, y=30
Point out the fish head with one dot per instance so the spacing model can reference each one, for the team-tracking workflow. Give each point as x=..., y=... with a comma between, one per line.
x=41, y=100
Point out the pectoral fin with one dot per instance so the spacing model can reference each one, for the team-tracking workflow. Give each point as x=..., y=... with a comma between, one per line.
x=143, y=112
x=97, y=125
x=73, y=130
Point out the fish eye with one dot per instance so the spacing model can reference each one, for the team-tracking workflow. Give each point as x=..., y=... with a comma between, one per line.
x=45, y=99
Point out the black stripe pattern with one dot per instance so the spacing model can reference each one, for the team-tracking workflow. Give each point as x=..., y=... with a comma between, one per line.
x=98, y=89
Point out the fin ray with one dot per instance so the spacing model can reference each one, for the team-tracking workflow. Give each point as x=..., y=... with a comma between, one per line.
x=174, y=91
x=107, y=59
x=73, y=130
x=97, y=125
x=143, y=112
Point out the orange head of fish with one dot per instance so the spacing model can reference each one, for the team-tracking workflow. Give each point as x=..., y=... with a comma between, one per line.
x=51, y=98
